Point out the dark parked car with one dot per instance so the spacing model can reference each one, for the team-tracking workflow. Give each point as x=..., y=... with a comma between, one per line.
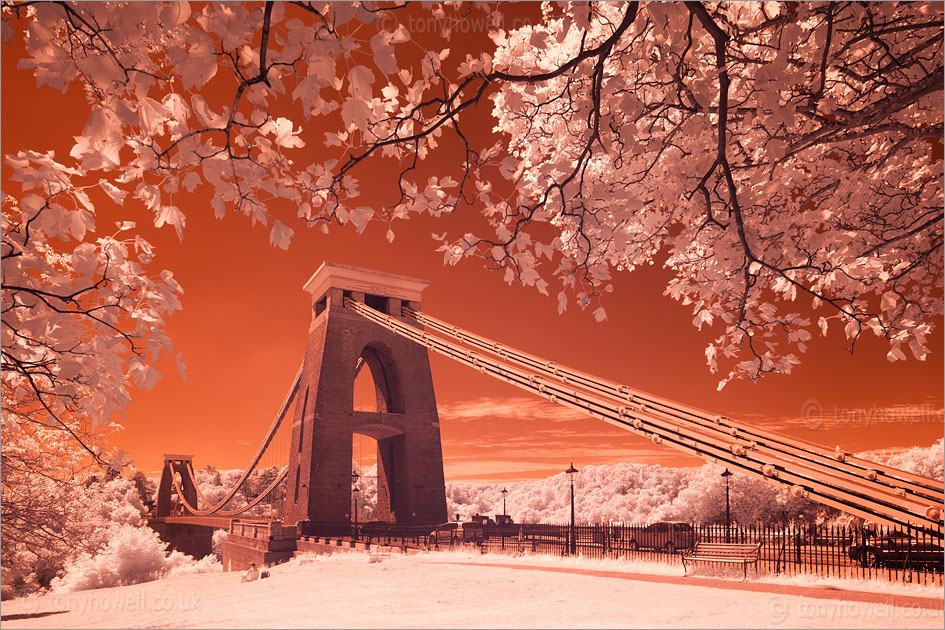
x=668, y=535
x=899, y=550
x=375, y=528
x=447, y=533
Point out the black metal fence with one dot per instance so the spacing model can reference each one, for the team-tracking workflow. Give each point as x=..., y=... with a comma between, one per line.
x=896, y=554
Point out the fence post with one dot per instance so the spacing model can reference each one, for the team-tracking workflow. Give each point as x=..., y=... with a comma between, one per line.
x=797, y=546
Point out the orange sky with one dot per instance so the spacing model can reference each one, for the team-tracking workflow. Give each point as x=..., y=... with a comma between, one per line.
x=242, y=333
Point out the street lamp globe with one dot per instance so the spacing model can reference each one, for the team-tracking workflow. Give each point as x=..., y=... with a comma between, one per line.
x=571, y=471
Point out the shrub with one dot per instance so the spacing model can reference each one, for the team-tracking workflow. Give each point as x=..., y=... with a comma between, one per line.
x=130, y=556
x=219, y=537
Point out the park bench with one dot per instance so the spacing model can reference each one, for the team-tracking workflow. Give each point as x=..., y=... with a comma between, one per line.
x=379, y=552
x=729, y=553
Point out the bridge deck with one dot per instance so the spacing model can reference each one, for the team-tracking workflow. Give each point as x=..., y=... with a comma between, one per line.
x=216, y=522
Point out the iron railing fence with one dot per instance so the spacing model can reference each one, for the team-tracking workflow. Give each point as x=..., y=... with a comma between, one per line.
x=893, y=553
x=899, y=554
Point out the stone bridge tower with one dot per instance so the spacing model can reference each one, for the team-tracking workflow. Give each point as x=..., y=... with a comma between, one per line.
x=175, y=465
x=406, y=426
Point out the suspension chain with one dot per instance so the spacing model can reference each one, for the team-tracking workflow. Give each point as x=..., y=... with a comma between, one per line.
x=900, y=499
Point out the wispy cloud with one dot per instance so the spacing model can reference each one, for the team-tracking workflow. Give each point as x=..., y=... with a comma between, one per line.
x=552, y=458
x=811, y=413
x=816, y=414
x=515, y=408
x=520, y=437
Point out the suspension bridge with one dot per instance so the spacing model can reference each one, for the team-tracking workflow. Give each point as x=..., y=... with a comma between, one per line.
x=369, y=319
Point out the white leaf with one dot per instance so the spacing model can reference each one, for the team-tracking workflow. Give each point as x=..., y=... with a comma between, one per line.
x=895, y=354
x=281, y=235
x=191, y=181
x=360, y=217
x=851, y=329
x=114, y=192
x=360, y=80
x=384, y=57
x=889, y=301
x=219, y=210
x=84, y=259
x=281, y=129
x=181, y=368
x=148, y=377
x=171, y=215
x=355, y=112
x=198, y=65
x=918, y=350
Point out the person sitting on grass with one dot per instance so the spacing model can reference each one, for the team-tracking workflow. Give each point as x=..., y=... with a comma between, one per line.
x=251, y=574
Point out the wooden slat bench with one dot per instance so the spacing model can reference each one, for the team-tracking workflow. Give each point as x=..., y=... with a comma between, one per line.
x=379, y=552
x=729, y=553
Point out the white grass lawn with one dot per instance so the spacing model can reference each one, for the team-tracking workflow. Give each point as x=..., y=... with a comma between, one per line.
x=460, y=590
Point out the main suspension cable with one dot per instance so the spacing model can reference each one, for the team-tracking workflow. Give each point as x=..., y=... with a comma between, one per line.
x=820, y=484
x=215, y=508
x=837, y=460
x=220, y=512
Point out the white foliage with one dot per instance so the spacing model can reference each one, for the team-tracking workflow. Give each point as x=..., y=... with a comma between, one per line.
x=638, y=493
x=132, y=555
x=219, y=537
x=628, y=493
x=74, y=518
x=926, y=461
x=826, y=191
x=82, y=315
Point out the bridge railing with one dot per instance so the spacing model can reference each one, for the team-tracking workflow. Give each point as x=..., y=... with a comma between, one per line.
x=416, y=536
x=262, y=529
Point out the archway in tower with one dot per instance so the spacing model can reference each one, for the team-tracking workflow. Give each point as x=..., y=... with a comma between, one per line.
x=177, y=506
x=365, y=390
x=377, y=447
x=364, y=462
x=372, y=386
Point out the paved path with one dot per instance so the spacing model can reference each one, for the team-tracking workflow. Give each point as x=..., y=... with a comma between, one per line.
x=816, y=592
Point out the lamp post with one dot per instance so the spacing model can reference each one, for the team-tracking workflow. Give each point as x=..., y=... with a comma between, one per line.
x=571, y=472
x=355, y=493
x=728, y=515
x=504, y=492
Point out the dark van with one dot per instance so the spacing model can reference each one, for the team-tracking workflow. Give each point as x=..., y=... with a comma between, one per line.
x=666, y=535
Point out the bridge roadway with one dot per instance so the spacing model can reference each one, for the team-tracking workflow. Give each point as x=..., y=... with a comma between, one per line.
x=216, y=522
